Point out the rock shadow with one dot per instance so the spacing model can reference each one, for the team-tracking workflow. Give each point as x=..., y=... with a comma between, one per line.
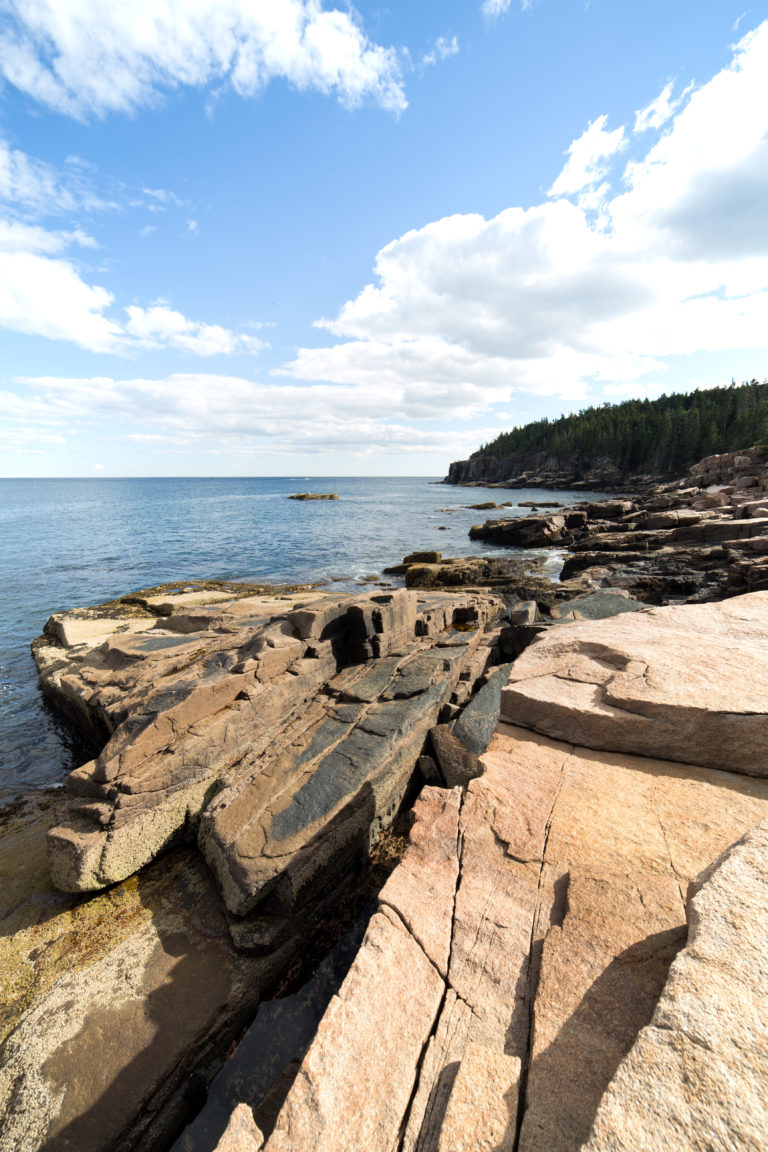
x=567, y=1080
x=28, y=897
x=137, y=1064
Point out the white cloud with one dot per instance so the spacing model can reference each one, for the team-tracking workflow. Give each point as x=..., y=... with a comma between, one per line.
x=550, y=300
x=659, y=111
x=92, y=57
x=444, y=48
x=583, y=167
x=492, y=9
x=44, y=294
x=495, y=8
x=227, y=413
x=45, y=297
x=30, y=183
x=163, y=196
x=164, y=327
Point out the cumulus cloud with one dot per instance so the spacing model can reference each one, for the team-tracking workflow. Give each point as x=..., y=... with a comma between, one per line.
x=164, y=327
x=659, y=111
x=42, y=293
x=550, y=299
x=92, y=57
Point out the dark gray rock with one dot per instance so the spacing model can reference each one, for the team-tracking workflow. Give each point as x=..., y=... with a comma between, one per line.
x=270, y=1049
x=599, y=606
x=458, y=765
x=476, y=723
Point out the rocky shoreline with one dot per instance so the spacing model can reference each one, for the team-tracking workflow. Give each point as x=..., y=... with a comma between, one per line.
x=541, y=774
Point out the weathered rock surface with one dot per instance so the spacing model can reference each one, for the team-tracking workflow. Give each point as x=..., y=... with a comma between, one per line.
x=695, y=1077
x=242, y=1133
x=541, y=470
x=114, y=1009
x=252, y=1084
x=524, y=960
x=281, y=741
x=523, y=941
x=686, y=683
x=534, y=919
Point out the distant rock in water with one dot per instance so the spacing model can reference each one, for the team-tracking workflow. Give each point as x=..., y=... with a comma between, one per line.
x=314, y=496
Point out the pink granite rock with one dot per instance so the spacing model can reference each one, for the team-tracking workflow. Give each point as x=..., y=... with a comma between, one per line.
x=687, y=683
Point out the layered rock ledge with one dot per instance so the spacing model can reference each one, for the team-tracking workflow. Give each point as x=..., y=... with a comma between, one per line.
x=279, y=737
x=700, y=538
x=517, y=970
x=569, y=954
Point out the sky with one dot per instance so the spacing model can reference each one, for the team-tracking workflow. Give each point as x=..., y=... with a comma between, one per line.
x=297, y=237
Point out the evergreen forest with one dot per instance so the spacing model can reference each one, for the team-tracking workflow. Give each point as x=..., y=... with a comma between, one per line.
x=660, y=436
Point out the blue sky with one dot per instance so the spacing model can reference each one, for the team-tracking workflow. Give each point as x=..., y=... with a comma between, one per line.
x=243, y=238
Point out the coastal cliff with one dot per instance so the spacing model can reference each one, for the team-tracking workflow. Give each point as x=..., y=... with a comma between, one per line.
x=543, y=470
x=621, y=446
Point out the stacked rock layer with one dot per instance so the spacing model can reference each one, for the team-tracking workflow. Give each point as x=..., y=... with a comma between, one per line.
x=517, y=970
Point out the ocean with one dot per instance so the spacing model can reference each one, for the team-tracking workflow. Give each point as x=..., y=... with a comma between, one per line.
x=69, y=543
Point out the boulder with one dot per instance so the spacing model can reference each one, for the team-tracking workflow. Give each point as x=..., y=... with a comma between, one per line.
x=527, y=532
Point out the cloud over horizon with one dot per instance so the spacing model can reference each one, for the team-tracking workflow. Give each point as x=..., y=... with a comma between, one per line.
x=229, y=413
x=636, y=256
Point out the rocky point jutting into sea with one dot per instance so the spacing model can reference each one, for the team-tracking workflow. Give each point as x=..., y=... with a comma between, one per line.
x=476, y=863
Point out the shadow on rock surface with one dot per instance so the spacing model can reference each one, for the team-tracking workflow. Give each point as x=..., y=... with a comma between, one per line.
x=567, y=1079
x=118, y=1005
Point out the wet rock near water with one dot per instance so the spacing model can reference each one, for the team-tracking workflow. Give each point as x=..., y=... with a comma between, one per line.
x=697, y=539
x=314, y=496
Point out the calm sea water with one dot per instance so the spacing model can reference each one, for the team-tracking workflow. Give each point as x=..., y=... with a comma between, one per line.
x=67, y=543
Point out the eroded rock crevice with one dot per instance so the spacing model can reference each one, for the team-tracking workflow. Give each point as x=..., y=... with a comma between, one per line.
x=277, y=735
